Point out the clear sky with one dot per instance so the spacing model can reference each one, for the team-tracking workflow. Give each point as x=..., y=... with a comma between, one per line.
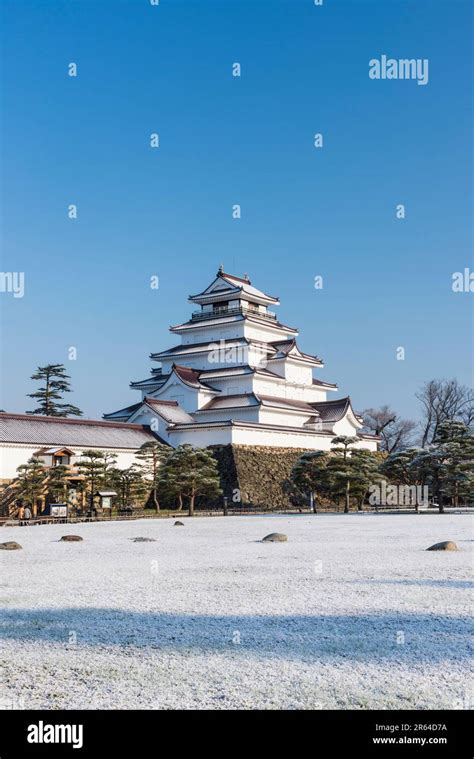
x=225, y=140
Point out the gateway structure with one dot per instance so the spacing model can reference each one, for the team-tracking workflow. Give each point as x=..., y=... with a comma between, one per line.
x=239, y=377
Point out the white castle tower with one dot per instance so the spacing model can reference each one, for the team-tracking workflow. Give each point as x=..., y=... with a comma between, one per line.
x=239, y=377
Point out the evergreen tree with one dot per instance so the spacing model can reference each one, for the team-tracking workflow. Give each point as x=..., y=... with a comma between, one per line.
x=129, y=483
x=95, y=467
x=310, y=476
x=456, y=442
x=448, y=463
x=192, y=472
x=57, y=483
x=31, y=479
x=152, y=456
x=404, y=468
x=398, y=467
x=367, y=467
x=341, y=470
x=108, y=466
x=56, y=383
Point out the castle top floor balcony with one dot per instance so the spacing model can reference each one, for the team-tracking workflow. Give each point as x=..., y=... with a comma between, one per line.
x=222, y=311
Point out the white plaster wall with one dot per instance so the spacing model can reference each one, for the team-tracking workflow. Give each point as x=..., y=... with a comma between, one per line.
x=256, y=436
x=284, y=418
x=280, y=439
x=188, y=398
x=296, y=372
x=265, y=332
x=345, y=427
x=247, y=414
x=13, y=455
x=270, y=386
x=201, y=438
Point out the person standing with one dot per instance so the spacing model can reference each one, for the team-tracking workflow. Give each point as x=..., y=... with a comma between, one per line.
x=27, y=514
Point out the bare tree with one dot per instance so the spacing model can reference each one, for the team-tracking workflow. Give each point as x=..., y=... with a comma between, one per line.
x=441, y=401
x=395, y=433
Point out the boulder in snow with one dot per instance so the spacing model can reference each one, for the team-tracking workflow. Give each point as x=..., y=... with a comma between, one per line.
x=10, y=545
x=71, y=538
x=445, y=545
x=275, y=537
x=178, y=523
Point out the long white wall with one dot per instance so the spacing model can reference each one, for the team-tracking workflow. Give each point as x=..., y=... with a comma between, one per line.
x=257, y=436
x=13, y=455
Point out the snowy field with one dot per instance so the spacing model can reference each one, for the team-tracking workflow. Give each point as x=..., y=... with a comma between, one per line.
x=350, y=613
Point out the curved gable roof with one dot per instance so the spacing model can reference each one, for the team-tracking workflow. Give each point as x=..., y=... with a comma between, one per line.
x=334, y=411
x=234, y=285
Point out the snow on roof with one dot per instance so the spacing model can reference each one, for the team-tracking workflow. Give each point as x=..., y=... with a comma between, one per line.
x=286, y=403
x=171, y=411
x=153, y=381
x=242, y=400
x=49, y=430
x=245, y=400
x=183, y=349
x=235, y=283
x=287, y=347
x=233, y=371
x=52, y=451
x=123, y=413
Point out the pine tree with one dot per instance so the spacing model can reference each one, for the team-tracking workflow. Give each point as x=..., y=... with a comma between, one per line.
x=398, y=467
x=57, y=482
x=56, y=383
x=193, y=471
x=310, y=476
x=456, y=442
x=31, y=479
x=447, y=464
x=129, y=483
x=152, y=455
x=341, y=469
x=95, y=467
x=367, y=469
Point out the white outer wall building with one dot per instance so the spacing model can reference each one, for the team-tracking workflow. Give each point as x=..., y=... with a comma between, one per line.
x=23, y=436
x=235, y=348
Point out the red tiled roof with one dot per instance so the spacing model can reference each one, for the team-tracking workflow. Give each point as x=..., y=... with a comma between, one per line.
x=187, y=374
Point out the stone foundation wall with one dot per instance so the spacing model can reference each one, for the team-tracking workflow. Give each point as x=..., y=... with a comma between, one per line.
x=258, y=473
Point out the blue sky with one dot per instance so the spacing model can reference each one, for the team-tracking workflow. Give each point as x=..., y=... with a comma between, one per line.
x=226, y=140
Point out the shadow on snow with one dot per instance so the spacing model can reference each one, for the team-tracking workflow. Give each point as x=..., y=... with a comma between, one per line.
x=403, y=637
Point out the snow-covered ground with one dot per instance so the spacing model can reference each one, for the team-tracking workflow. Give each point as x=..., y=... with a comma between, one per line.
x=351, y=612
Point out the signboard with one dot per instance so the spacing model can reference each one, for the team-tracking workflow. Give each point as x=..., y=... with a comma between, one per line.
x=106, y=501
x=58, y=511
